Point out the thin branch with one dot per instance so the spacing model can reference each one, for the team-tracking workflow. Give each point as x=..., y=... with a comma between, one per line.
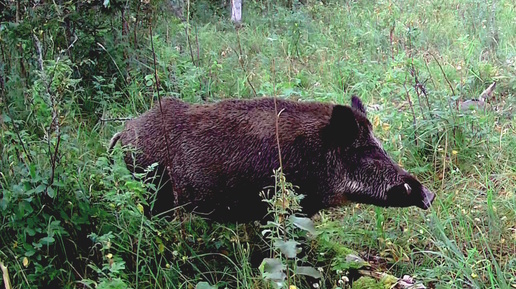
x=277, y=114
x=444, y=160
x=17, y=132
x=391, y=38
x=413, y=114
x=5, y=275
x=73, y=42
x=15, y=127
x=114, y=62
x=241, y=62
x=135, y=41
x=417, y=87
x=55, y=113
x=198, y=47
x=115, y=119
x=53, y=159
x=444, y=74
x=282, y=180
x=187, y=31
x=163, y=131
x=429, y=73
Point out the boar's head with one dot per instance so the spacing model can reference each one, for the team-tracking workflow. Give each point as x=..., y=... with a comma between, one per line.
x=366, y=174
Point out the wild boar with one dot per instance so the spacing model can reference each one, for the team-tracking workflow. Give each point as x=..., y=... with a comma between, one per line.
x=217, y=157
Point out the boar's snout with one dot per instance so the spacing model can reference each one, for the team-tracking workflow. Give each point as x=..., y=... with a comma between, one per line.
x=410, y=193
x=428, y=198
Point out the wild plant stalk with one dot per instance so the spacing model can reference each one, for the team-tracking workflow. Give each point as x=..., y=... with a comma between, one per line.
x=162, y=121
x=444, y=159
x=418, y=87
x=187, y=31
x=414, y=123
x=5, y=275
x=241, y=61
x=444, y=74
x=54, y=125
x=17, y=133
x=284, y=196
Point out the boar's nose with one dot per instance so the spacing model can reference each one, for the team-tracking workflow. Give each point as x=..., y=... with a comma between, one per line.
x=427, y=198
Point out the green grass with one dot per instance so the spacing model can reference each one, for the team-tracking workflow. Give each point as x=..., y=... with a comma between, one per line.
x=316, y=51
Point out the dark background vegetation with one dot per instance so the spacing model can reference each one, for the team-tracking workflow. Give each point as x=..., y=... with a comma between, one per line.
x=72, y=71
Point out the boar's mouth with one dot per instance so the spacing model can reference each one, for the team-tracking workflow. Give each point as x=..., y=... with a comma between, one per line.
x=410, y=193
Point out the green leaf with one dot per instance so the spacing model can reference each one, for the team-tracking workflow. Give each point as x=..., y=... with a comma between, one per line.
x=354, y=261
x=308, y=271
x=30, y=253
x=117, y=266
x=51, y=193
x=106, y=3
x=39, y=189
x=32, y=171
x=30, y=231
x=288, y=248
x=6, y=118
x=204, y=285
x=272, y=269
x=115, y=283
x=304, y=224
x=47, y=240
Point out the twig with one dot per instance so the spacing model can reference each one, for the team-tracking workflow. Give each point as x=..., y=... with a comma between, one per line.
x=114, y=62
x=135, y=42
x=241, y=62
x=17, y=132
x=281, y=176
x=71, y=44
x=198, y=47
x=187, y=30
x=115, y=119
x=444, y=74
x=53, y=158
x=422, y=88
x=413, y=114
x=5, y=275
x=163, y=131
x=444, y=159
x=202, y=78
x=55, y=114
x=188, y=42
x=196, y=63
x=429, y=72
x=277, y=114
x=391, y=38
x=417, y=87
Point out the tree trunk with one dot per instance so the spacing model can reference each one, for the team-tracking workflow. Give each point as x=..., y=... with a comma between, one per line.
x=236, y=11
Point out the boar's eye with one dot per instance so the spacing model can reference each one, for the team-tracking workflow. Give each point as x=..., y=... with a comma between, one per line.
x=371, y=154
x=343, y=127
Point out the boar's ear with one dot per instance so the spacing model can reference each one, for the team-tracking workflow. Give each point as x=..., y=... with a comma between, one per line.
x=343, y=127
x=356, y=103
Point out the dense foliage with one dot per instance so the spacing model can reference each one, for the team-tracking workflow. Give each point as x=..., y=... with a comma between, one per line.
x=72, y=71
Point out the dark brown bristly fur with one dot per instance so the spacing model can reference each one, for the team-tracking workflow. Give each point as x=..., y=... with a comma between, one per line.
x=223, y=154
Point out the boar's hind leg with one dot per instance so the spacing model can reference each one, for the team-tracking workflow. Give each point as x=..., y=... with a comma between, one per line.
x=161, y=199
